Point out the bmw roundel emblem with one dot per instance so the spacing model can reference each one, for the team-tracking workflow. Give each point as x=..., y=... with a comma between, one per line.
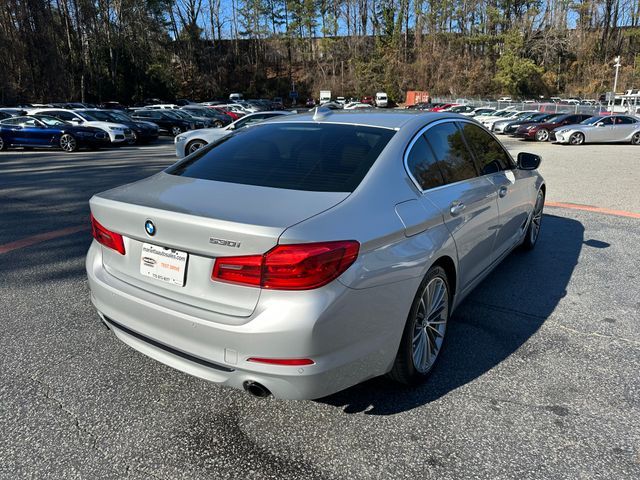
x=150, y=228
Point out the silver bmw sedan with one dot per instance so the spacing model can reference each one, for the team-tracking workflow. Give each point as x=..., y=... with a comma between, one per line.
x=311, y=252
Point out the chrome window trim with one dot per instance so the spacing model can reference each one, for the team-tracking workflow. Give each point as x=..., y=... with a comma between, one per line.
x=439, y=122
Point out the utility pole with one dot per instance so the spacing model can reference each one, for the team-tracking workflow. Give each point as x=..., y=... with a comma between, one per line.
x=617, y=65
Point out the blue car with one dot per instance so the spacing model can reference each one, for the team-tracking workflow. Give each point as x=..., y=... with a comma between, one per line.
x=43, y=131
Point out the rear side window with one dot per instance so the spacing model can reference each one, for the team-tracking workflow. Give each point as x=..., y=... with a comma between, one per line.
x=423, y=165
x=295, y=156
x=624, y=120
x=490, y=155
x=450, y=150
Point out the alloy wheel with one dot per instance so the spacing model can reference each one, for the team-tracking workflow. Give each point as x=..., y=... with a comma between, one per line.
x=635, y=139
x=2, y=144
x=542, y=135
x=576, y=139
x=176, y=131
x=536, y=220
x=134, y=138
x=430, y=324
x=68, y=143
x=194, y=146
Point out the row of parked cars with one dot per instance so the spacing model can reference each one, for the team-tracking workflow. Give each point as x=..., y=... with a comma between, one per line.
x=74, y=126
x=566, y=128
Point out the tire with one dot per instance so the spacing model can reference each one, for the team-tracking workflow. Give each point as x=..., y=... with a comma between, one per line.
x=635, y=139
x=217, y=124
x=68, y=143
x=3, y=145
x=542, y=135
x=422, y=343
x=134, y=139
x=576, y=138
x=193, y=146
x=175, y=131
x=533, y=230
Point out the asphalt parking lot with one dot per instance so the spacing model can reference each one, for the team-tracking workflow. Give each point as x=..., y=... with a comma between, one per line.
x=539, y=378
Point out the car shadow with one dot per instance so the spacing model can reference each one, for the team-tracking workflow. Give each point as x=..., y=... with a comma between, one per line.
x=494, y=321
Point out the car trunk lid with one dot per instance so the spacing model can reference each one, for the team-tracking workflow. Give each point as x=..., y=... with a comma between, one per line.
x=204, y=219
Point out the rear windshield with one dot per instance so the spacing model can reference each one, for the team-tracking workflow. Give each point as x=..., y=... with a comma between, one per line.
x=294, y=156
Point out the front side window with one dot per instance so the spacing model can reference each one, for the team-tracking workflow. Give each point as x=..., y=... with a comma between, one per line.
x=423, y=165
x=491, y=156
x=295, y=156
x=455, y=160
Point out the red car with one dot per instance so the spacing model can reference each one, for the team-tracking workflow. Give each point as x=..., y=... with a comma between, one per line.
x=234, y=116
x=542, y=132
x=439, y=108
x=367, y=100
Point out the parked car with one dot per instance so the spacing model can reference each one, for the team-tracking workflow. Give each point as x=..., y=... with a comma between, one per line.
x=382, y=100
x=218, y=119
x=542, y=132
x=460, y=109
x=4, y=115
x=443, y=106
x=118, y=132
x=190, y=142
x=367, y=99
x=421, y=106
x=357, y=106
x=142, y=132
x=479, y=111
x=499, y=125
x=310, y=103
x=235, y=115
x=190, y=116
x=42, y=131
x=235, y=97
x=601, y=129
x=167, y=123
x=13, y=112
x=511, y=127
x=299, y=257
x=488, y=121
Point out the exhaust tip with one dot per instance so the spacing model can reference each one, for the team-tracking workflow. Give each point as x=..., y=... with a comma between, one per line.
x=256, y=389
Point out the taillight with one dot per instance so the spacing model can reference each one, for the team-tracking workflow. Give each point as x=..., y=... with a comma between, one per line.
x=289, y=267
x=107, y=237
x=291, y=362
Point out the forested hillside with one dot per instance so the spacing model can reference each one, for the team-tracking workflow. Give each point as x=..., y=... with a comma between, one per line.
x=127, y=50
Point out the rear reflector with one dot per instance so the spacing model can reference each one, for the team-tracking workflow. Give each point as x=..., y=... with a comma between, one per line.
x=292, y=362
x=107, y=237
x=289, y=267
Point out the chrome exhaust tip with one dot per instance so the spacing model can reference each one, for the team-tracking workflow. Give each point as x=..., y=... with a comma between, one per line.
x=256, y=389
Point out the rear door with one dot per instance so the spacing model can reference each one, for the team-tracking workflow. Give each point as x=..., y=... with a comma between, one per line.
x=623, y=128
x=468, y=202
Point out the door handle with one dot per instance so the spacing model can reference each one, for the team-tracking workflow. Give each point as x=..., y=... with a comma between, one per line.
x=502, y=192
x=456, y=208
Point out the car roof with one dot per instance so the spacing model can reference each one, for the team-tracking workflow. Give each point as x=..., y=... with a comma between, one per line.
x=394, y=119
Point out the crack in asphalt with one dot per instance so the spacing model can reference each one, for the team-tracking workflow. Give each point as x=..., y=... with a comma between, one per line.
x=82, y=432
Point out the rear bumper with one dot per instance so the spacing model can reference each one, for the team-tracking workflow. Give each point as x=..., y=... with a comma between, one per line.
x=347, y=333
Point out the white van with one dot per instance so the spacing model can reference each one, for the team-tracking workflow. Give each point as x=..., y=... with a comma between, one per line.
x=381, y=100
x=235, y=97
x=325, y=96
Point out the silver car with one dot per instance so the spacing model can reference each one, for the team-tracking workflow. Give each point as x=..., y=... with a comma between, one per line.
x=306, y=254
x=604, y=129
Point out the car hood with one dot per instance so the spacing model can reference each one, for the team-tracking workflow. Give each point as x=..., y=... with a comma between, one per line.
x=207, y=134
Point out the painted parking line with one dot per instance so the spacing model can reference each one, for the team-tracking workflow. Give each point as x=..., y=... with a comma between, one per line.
x=41, y=237
x=591, y=208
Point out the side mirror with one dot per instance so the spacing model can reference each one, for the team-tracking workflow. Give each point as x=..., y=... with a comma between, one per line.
x=76, y=120
x=599, y=124
x=528, y=161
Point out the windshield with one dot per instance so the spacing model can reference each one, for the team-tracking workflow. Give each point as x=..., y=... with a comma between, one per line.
x=51, y=121
x=99, y=115
x=295, y=156
x=87, y=116
x=120, y=116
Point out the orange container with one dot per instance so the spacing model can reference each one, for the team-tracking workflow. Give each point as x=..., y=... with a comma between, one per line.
x=416, y=96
